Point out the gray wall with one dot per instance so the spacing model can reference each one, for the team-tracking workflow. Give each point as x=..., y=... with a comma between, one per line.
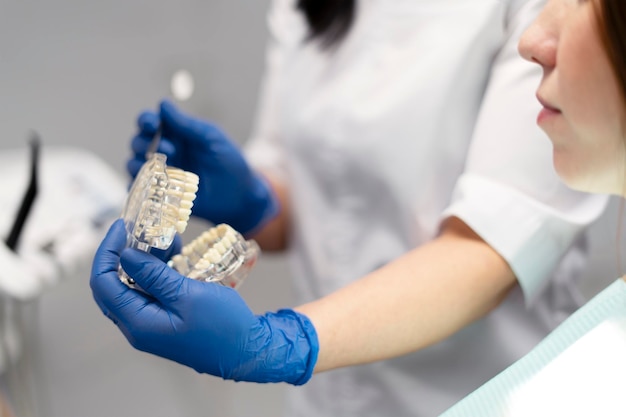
x=79, y=72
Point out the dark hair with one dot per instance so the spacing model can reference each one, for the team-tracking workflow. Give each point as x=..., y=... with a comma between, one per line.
x=329, y=20
x=612, y=14
x=612, y=21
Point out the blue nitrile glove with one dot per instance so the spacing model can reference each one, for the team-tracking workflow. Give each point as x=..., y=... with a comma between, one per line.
x=203, y=325
x=229, y=190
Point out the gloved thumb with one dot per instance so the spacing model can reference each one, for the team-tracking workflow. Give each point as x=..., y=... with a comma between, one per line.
x=152, y=275
x=180, y=125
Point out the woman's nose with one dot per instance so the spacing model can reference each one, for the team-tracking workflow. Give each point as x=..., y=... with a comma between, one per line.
x=539, y=42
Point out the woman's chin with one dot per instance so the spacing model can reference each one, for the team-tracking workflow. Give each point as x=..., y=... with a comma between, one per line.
x=594, y=185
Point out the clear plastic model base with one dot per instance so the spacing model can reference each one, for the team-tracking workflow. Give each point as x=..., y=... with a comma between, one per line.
x=220, y=255
x=157, y=206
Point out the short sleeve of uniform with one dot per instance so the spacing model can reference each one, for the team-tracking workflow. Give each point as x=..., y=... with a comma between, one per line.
x=509, y=192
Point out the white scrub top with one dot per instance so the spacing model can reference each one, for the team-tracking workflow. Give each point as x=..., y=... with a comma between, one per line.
x=424, y=111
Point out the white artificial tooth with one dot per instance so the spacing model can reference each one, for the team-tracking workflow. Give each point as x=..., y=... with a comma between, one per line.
x=189, y=196
x=175, y=173
x=186, y=204
x=213, y=256
x=203, y=264
x=192, y=177
x=226, y=243
x=220, y=248
x=232, y=238
x=200, y=245
x=181, y=225
x=205, y=243
x=191, y=187
x=187, y=250
x=184, y=213
x=173, y=192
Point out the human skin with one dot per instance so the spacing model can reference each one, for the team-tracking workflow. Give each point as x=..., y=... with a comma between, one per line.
x=583, y=111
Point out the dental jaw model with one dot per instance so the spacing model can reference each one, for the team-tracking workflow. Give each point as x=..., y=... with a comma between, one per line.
x=159, y=205
x=218, y=255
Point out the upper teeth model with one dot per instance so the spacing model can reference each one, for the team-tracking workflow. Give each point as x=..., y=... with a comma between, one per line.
x=157, y=206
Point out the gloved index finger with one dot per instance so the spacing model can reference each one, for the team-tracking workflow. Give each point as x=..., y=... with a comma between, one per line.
x=140, y=144
x=179, y=125
x=148, y=123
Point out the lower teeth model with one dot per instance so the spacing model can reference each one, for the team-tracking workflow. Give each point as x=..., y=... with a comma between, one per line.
x=218, y=255
x=159, y=205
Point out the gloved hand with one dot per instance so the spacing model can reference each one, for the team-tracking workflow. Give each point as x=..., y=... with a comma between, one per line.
x=202, y=325
x=229, y=190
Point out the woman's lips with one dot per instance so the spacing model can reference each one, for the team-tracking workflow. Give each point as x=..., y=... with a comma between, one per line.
x=547, y=112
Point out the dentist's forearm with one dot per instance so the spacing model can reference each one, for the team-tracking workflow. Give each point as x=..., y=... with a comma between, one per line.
x=418, y=300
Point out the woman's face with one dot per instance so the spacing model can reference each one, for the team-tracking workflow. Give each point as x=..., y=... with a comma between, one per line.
x=583, y=112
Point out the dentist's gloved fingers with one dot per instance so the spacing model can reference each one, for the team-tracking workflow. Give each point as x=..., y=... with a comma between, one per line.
x=121, y=304
x=178, y=126
x=139, y=147
x=153, y=275
x=134, y=165
x=107, y=289
x=141, y=143
x=230, y=191
x=148, y=123
x=205, y=326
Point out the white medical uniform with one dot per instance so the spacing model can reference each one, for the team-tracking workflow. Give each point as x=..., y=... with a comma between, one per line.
x=424, y=111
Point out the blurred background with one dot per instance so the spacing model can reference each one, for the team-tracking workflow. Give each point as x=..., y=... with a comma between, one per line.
x=79, y=73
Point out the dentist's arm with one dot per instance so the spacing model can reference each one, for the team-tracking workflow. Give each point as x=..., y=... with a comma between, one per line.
x=415, y=301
